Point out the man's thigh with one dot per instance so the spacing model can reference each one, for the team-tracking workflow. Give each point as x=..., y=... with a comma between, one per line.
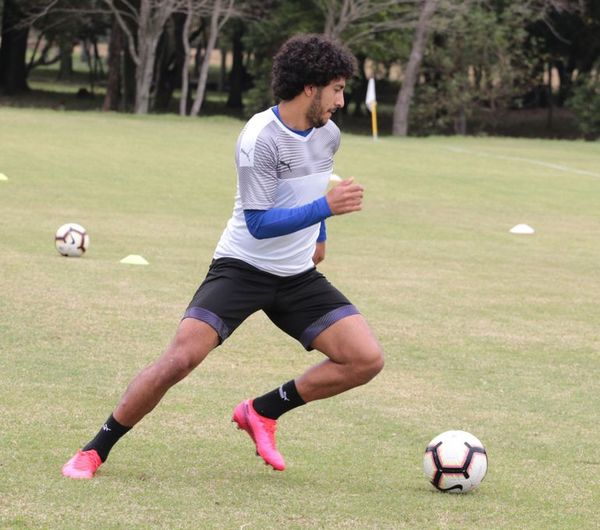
x=230, y=293
x=347, y=340
x=306, y=305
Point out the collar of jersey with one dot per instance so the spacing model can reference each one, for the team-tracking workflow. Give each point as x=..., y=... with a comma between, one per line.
x=303, y=134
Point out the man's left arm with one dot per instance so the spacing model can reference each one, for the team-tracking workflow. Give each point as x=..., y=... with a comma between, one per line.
x=319, y=254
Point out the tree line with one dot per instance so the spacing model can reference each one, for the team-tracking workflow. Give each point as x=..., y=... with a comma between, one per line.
x=439, y=63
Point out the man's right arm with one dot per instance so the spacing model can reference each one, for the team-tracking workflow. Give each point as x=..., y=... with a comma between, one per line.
x=344, y=198
x=263, y=224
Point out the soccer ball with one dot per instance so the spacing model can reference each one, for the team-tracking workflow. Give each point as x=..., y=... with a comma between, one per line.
x=455, y=461
x=71, y=240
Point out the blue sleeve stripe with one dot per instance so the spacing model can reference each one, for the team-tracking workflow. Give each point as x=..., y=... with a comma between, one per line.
x=263, y=224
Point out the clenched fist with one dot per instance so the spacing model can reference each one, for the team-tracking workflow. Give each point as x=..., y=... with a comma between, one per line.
x=346, y=197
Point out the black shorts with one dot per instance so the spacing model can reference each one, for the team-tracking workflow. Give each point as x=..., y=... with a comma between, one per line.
x=302, y=305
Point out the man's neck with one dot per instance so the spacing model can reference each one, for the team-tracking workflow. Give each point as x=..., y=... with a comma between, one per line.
x=293, y=114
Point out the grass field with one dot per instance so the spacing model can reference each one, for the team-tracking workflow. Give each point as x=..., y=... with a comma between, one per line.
x=486, y=331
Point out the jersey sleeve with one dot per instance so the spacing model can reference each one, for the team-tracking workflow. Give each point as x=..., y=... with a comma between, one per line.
x=335, y=134
x=257, y=173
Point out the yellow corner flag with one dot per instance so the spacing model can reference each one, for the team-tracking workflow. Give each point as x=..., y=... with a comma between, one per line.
x=371, y=102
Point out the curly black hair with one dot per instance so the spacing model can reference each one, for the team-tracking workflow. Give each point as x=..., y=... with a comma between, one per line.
x=309, y=59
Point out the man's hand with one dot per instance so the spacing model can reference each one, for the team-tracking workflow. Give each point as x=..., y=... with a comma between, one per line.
x=346, y=197
x=319, y=254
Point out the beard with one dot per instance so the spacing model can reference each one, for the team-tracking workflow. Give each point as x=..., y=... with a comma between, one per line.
x=315, y=114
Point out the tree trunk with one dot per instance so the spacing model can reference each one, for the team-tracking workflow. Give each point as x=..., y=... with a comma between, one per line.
x=169, y=68
x=210, y=46
x=151, y=18
x=185, y=71
x=549, y=115
x=223, y=70
x=149, y=31
x=65, y=70
x=160, y=89
x=89, y=52
x=360, y=87
x=13, y=49
x=411, y=74
x=144, y=74
x=113, y=83
x=98, y=68
x=460, y=123
x=236, y=78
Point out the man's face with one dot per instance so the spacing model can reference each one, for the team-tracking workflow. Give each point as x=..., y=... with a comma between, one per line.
x=326, y=101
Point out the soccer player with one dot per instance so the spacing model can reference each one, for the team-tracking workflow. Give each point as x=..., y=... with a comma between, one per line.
x=266, y=260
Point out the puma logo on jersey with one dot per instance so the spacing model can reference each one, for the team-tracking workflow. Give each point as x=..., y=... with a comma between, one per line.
x=286, y=164
x=247, y=154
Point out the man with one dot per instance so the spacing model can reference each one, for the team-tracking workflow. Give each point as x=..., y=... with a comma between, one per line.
x=266, y=257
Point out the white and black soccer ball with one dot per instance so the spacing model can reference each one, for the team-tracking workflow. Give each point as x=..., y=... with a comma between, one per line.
x=72, y=240
x=455, y=461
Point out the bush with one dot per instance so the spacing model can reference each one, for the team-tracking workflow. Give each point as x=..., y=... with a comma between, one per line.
x=585, y=103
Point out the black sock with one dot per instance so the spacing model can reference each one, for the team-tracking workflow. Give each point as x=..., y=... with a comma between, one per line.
x=273, y=404
x=107, y=436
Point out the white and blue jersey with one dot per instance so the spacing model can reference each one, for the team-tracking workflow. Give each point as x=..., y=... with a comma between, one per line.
x=278, y=168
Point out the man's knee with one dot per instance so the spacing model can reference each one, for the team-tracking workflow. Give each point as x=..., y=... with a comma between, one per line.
x=369, y=363
x=176, y=365
x=186, y=351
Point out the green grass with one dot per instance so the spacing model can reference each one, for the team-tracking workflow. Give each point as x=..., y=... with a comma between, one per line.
x=485, y=331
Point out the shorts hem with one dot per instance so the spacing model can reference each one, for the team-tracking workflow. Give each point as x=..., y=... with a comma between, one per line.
x=208, y=317
x=320, y=325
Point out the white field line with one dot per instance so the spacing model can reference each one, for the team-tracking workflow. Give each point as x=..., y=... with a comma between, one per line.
x=533, y=161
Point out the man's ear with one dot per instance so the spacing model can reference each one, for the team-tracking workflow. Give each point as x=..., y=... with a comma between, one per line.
x=309, y=90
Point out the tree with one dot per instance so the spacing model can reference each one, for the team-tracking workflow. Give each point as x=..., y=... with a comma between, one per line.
x=170, y=61
x=354, y=20
x=373, y=30
x=185, y=72
x=13, y=48
x=63, y=23
x=475, y=62
x=585, y=102
x=220, y=12
x=238, y=72
x=411, y=72
x=120, y=83
x=143, y=25
x=57, y=23
x=566, y=39
x=477, y=59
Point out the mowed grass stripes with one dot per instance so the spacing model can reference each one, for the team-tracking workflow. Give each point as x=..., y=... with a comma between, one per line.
x=486, y=331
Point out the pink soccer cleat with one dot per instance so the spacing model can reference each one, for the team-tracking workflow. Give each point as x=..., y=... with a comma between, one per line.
x=83, y=465
x=262, y=432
